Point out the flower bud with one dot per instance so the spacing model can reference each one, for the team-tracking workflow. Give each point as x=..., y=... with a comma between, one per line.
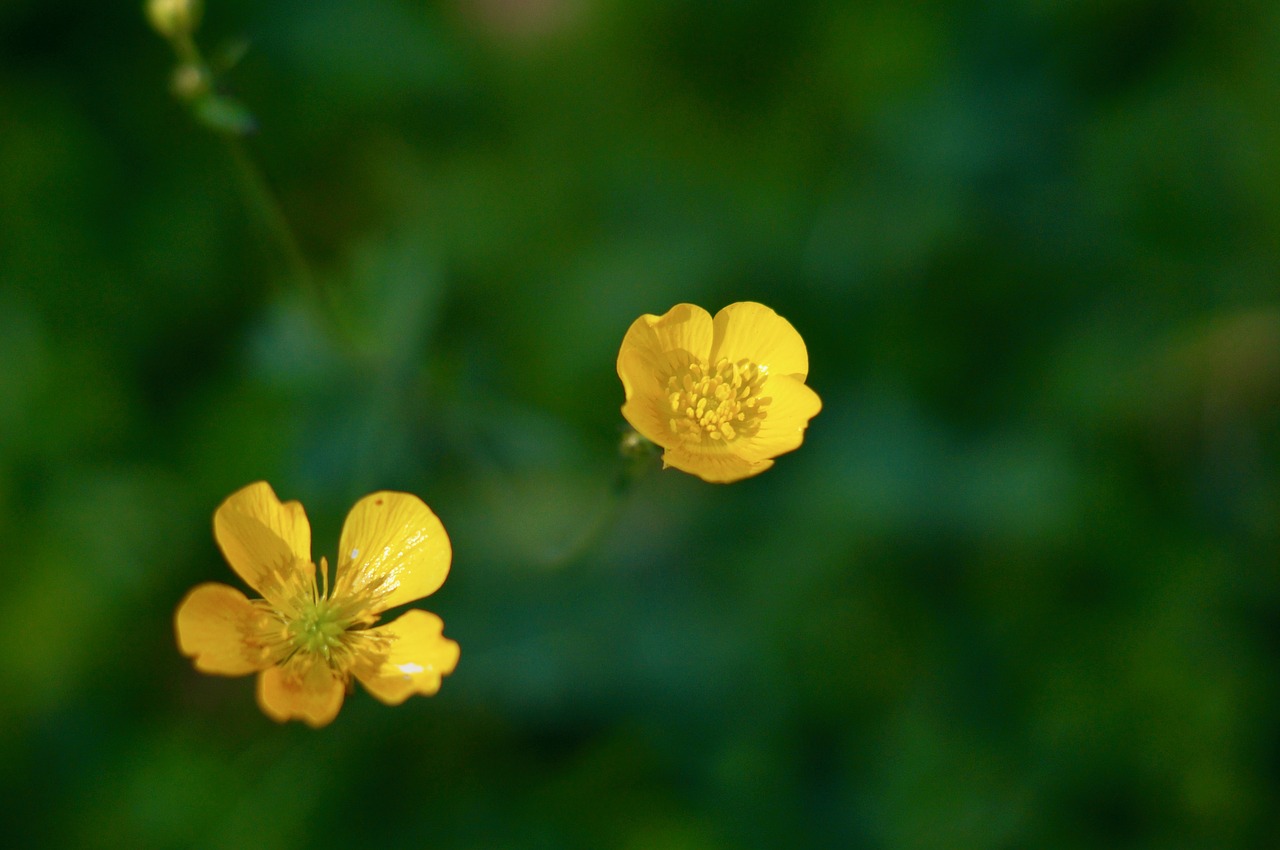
x=190, y=81
x=174, y=18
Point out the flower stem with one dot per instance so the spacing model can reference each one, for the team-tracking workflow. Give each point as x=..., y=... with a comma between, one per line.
x=587, y=539
x=635, y=459
x=263, y=200
x=194, y=82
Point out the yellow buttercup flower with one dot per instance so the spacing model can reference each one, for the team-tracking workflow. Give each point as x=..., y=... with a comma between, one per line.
x=304, y=641
x=722, y=396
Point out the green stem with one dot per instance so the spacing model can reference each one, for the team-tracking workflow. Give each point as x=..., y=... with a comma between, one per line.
x=587, y=538
x=635, y=459
x=185, y=48
x=264, y=201
x=268, y=208
x=260, y=197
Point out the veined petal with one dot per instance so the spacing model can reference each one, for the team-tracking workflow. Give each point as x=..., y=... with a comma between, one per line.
x=717, y=465
x=260, y=539
x=313, y=697
x=642, y=370
x=646, y=407
x=755, y=332
x=222, y=631
x=791, y=407
x=393, y=550
x=287, y=519
x=418, y=657
x=683, y=328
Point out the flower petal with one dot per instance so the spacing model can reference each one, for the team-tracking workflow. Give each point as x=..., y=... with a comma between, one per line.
x=717, y=465
x=791, y=407
x=755, y=332
x=267, y=543
x=287, y=519
x=654, y=349
x=313, y=697
x=420, y=655
x=684, y=328
x=222, y=630
x=393, y=550
x=646, y=408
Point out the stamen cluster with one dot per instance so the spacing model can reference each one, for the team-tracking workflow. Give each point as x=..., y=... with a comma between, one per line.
x=330, y=629
x=717, y=404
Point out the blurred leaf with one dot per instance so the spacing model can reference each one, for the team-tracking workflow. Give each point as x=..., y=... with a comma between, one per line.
x=224, y=114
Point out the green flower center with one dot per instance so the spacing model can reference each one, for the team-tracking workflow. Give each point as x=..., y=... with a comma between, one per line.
x=719, y=404
x=319, y=629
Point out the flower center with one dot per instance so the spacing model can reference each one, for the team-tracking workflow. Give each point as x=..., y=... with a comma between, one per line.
x=319, y=629
x=717, y=404
x=332, y=631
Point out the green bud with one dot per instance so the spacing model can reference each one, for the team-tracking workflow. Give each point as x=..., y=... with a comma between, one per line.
x=190, y=81
x=174, y=18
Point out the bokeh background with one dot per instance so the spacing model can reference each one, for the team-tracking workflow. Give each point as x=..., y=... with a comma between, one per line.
x=1019, y=588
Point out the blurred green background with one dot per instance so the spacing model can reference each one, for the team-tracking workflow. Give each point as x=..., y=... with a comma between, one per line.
x=1019, y=588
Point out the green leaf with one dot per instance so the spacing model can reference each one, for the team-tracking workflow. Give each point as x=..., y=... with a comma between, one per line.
x=224, y=114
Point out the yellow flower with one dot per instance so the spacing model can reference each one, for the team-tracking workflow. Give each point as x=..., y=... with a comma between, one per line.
x=306, y=642
x=722, y=396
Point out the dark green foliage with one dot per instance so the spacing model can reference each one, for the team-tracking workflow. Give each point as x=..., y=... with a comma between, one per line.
x=1020, y=587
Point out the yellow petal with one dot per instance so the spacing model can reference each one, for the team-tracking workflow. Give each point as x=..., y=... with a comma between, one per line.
x=792, y=406
x=685, y=327
x=419, y=656
x=755, y=332
x=393, y=550
x=287, y=519
x=646, y=407
x=267, y=543
x=222, y=631
x=717, y=465
x=666, y=343
x=654, y=349
x=313, y=697
x=642, y=369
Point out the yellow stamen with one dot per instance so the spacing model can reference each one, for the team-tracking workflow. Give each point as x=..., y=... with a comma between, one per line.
x=718, y=404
